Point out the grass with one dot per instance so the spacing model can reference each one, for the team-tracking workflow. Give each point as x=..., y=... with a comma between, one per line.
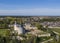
x=56, y=29
x=4, y=32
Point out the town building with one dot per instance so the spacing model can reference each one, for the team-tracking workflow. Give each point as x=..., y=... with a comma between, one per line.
x=19, y=28
x=28, y=26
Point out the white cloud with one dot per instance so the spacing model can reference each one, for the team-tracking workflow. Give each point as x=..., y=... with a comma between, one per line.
x=31, y=11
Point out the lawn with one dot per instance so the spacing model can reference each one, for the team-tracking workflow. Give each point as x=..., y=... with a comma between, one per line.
x=4, y=32
x=56, y=29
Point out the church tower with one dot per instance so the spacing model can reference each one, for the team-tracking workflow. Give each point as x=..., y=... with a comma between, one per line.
x=18, y=28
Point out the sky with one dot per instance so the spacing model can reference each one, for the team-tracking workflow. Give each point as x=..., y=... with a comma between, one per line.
x=30, y=7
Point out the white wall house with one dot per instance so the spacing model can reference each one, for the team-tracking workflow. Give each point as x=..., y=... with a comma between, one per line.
x=18, y=28
x=28, y=26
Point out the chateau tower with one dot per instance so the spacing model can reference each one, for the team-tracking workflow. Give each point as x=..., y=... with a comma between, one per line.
x=18, y=28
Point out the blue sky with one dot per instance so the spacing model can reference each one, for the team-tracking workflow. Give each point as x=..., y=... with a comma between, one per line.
x=30, y=7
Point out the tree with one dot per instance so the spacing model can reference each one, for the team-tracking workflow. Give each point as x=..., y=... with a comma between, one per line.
x=40, y=27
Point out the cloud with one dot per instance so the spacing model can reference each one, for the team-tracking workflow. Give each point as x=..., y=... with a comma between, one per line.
x=31, y=11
